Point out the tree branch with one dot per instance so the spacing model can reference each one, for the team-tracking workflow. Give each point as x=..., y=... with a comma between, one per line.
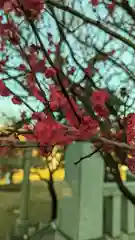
x=88, y=20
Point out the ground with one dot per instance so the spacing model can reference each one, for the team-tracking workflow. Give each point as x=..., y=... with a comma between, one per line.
x=40, y=205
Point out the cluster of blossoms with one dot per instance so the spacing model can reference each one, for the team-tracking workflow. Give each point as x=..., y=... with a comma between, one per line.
x=49, y=132
x=32, y=8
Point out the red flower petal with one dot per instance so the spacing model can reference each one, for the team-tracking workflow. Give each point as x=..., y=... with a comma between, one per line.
x=94, y=2
x=16, y=100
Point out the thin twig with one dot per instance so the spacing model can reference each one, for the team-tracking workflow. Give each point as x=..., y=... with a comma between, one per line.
x=88, y=156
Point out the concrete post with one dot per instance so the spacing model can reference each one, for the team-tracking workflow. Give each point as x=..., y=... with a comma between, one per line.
x=81, y=215
x=22, y=222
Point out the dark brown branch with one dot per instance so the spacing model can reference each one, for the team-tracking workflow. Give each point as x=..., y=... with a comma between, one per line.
x=53, y=194
x=102, y=140
x=108, y=159
x=88, y=20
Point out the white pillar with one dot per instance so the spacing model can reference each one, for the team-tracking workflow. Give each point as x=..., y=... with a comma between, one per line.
x=7, y=178
x=23, y=221
x=80, y=215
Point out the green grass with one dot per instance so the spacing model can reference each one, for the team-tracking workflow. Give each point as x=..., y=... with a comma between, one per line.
x=39, y=208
